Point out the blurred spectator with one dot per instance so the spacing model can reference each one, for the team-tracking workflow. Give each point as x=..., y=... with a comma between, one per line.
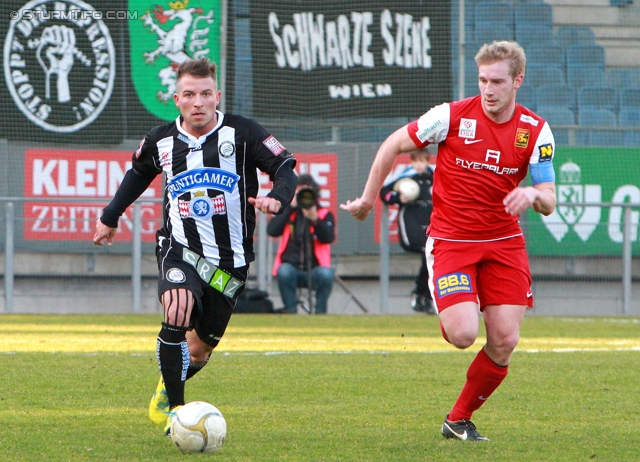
x=414, y=217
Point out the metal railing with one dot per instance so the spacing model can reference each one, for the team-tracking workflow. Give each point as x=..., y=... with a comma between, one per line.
x=265, y=250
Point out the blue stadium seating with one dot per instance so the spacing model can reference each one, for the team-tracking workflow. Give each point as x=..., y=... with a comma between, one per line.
x=578, y=77
x=558, y=96
x=493, y=21
x=586, y=55
x=540, y=13
x=556, y=115
x=621, y=78
x=540, y=74
x=569, y=35
x=597, y=98
x=630, y=97
x=533, y=23
x=493, y=11
x=529, y=33
x=488, y=32
x=527, y=97
x=547, y=54
x=630, y=117
x=597, y=137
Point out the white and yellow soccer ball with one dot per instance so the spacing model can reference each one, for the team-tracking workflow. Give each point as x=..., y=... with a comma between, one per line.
x=408, y=187
x=198, y=427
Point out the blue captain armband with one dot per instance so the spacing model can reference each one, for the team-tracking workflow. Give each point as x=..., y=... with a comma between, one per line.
x=542, y=172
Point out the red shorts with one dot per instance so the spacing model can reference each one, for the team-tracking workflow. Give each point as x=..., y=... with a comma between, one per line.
x=488, y=273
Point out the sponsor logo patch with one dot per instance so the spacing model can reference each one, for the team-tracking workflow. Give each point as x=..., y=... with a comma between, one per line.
x=522, y=137
x=546, y=152
x=467, y=128
x=273, y=145
x=453, y=283
x=176, y=275
x=199, y=178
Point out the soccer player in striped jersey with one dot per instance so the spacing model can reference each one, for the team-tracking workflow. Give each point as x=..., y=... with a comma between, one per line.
x=210, y=161
x=475, y=248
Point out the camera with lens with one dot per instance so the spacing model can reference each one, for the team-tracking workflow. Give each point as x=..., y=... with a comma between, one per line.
x=306, y=198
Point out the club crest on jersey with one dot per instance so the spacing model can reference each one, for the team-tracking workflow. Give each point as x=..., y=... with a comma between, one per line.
x=522, y=137
x=202, y=178
x=467, y=128
x=50, y=48
x=226, y=149
x=176, y=275
x=168, y=34
x=202, y=207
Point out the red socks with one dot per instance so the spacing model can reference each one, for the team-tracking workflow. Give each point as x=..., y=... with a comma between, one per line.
x=483, y=377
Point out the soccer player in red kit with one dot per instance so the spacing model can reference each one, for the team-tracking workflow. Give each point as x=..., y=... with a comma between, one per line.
x=475, y=248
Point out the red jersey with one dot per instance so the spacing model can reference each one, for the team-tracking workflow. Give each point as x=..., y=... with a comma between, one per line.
x=479, y=163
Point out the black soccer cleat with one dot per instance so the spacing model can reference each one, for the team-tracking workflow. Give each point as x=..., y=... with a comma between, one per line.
x=463, y=429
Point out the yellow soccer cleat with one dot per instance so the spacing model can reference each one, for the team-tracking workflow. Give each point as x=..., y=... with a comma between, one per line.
x=169, y=421
x=159, y=405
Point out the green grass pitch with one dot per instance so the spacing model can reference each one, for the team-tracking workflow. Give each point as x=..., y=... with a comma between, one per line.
x=319, y=388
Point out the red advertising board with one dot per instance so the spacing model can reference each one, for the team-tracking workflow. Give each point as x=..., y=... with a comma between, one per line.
x=75, y=174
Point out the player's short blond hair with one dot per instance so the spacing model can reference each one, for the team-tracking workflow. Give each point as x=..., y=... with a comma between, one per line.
x=503, y=51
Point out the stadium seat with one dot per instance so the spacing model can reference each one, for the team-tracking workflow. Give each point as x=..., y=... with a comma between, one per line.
x=556, y=115
x=531, y=33
x=527, y=97
x=493, y=11
x=493, y=21
x=579, y=77
x=630, y=97
x=569, y=35
x=541, y=74
x=557, y=96
x=621, y=78
x=547, y=54
x=540, y=13
x=596, y=137
x=586, y=55
x=597, y=98
x=630, y=117
x=488, y=32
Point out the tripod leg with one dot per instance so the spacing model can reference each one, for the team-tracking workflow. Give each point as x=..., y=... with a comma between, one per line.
x=344, y=286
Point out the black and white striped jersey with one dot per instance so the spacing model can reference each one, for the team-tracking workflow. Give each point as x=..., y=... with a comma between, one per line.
x=208, y=181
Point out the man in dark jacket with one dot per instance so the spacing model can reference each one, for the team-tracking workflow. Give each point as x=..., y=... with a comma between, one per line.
x=304, y=253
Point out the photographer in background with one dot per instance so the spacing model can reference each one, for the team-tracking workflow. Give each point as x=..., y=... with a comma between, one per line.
x=304, y=252
x=414, y=217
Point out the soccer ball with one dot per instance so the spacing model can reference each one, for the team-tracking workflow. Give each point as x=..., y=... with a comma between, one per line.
x=408, y=187
x=198, y=427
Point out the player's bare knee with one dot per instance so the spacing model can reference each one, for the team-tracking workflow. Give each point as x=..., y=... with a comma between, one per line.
x=462, y=339
x=504, y=344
